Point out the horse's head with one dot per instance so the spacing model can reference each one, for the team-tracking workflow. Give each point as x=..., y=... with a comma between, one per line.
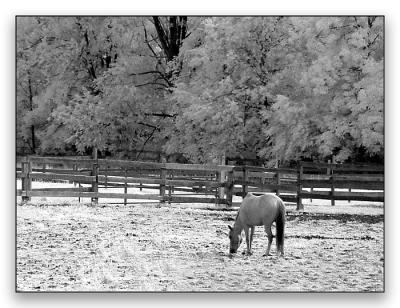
x=235, y=238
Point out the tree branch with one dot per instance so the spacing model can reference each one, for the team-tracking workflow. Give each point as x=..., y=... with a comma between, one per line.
x=161, y=76
x=144, y=144
x=146, y=73
x=154, y=114
x=162, y=114
x=149, y=125
x=147, y=41
x=152, y=83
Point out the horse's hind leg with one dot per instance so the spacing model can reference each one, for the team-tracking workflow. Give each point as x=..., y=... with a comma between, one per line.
x=267, y=229
x=251, y=236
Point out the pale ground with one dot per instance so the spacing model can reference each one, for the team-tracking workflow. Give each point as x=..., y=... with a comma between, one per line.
x=66, y=246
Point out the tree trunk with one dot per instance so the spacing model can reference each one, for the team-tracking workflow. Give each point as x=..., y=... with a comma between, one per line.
x=171, y=41
x=33, y=146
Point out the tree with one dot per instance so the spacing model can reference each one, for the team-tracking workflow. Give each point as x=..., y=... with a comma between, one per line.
x=283, y=88
x=338, y=106
x=107, y=79
x=36, y=70
x=56, y=59
x=227, y=66
x=287, y=88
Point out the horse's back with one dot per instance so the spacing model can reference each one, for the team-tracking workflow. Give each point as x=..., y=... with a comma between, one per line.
x=262, y=201
x=260, y=210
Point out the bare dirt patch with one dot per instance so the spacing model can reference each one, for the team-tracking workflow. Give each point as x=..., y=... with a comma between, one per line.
x=77, y=247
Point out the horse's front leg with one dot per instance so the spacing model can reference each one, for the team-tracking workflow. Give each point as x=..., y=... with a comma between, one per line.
x=248, y=242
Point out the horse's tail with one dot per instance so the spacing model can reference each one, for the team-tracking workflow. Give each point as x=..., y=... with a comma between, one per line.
x=280, y=227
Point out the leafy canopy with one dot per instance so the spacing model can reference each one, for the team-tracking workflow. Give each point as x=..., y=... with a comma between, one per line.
x=281, y=88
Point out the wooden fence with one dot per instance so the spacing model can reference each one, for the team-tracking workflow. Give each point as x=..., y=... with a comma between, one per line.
x=189, y=183
x=341, y=182
x=175, y=182
x=258, y=180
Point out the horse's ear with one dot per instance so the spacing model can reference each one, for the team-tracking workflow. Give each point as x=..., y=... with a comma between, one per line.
x=230, y=227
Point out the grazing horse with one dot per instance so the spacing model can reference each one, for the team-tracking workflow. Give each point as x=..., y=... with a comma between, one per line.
x=258, y=211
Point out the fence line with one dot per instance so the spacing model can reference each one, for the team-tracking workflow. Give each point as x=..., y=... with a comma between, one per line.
x=185, y=182
x=169, y=178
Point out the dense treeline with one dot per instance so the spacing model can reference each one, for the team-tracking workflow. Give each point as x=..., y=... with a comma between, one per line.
x=280, y=88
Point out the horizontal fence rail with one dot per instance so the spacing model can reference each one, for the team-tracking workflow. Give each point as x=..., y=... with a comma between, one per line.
x=174, y=182
x=186, y=183
x=323, y=181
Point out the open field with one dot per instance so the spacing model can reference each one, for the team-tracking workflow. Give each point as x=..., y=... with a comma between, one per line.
x=68, y=246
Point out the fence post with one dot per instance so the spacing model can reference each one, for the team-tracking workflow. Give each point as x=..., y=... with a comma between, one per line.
x=229, y=188
x=217, y=179
x=163, y=177
x=332, y=189
x=140, y=183
x=79, y=187
x=300, y=205
x=171, y=187
x=222, y=178
x=331, y=178
x=74, y=168
x=221, y=189
x=106, y=176
x=95, y=183
x=349, y=192
x=278, y=182
x=245, y=179
x=125, y=187
x=23, y=177
x=170, y=176
x=26, y=180
x=95, y=173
